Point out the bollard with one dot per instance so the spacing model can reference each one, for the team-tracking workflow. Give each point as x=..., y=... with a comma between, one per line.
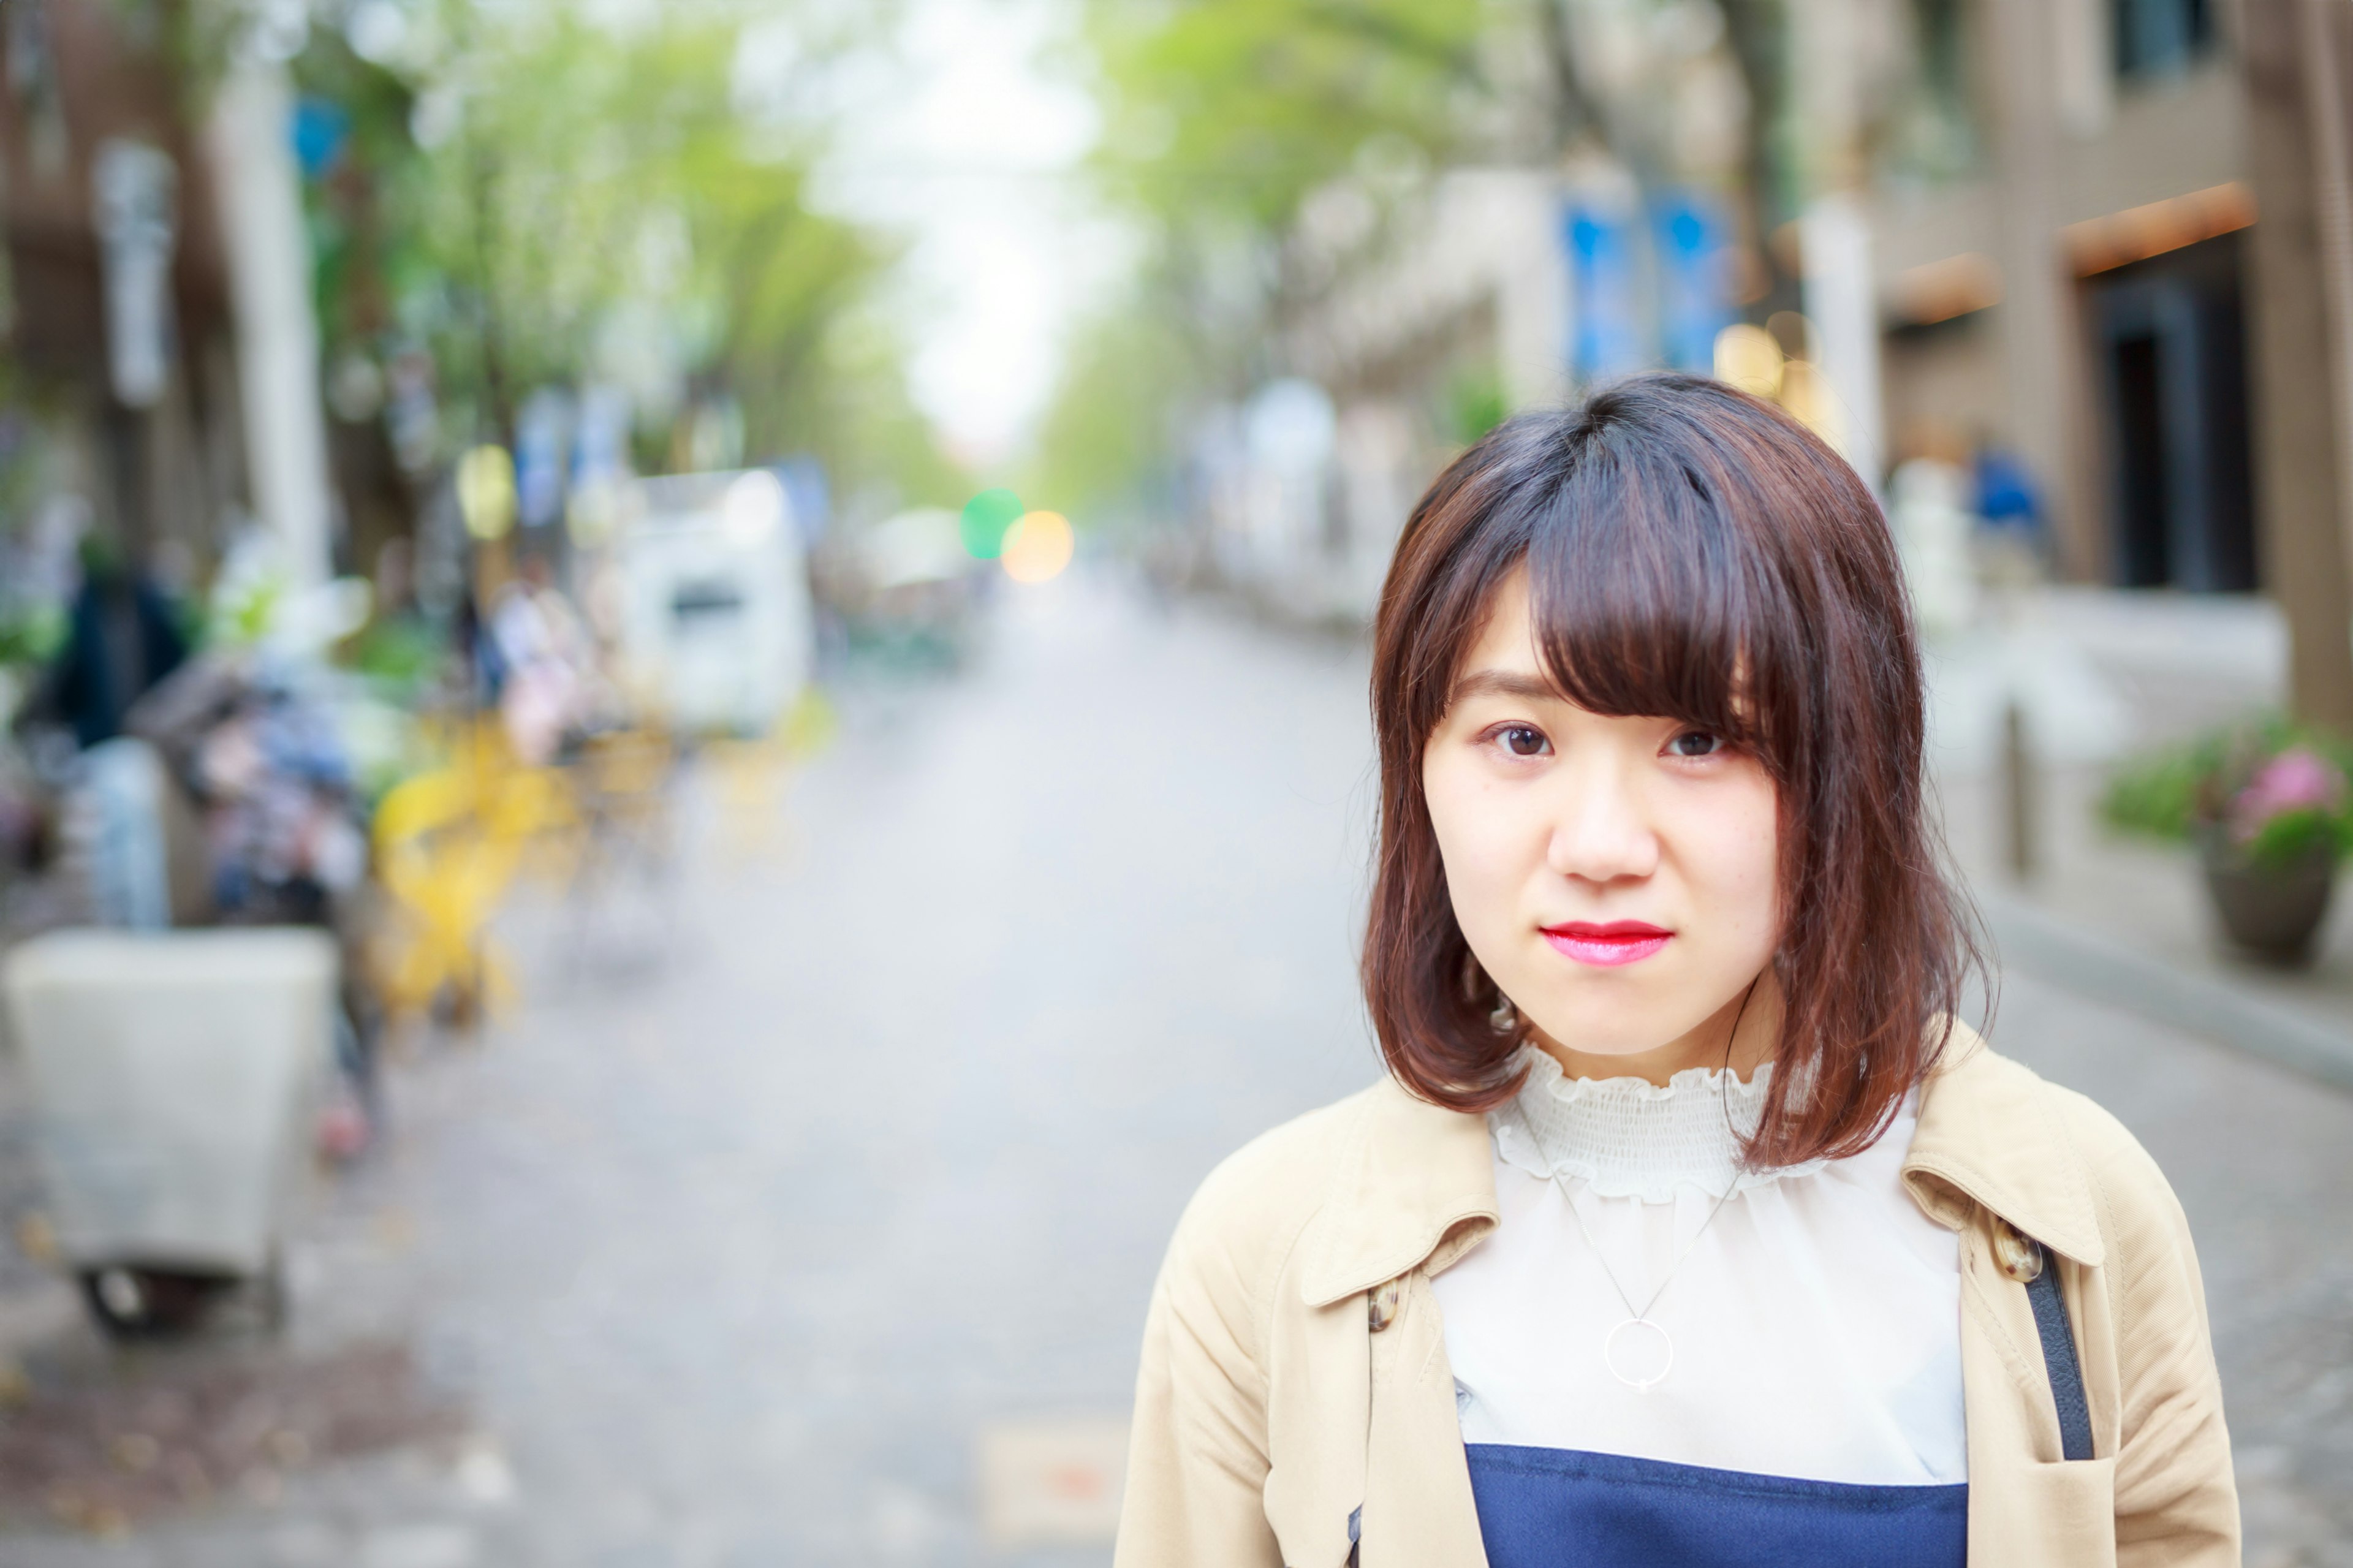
x=2018, y=793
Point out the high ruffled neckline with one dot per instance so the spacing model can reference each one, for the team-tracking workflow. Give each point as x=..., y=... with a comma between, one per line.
x=1627, y=1136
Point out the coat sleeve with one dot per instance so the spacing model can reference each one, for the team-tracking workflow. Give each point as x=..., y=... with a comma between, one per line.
x=1197, y=1463
x=2176, y=1501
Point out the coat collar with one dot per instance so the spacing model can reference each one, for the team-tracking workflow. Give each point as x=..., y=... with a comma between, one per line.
x=1991, y=1134
x=1414, y=1186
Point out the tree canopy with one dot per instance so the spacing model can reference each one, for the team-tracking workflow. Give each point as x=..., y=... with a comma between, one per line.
x=538, y=197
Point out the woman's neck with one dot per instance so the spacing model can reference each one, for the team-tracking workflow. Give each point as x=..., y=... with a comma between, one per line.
x=1741, y=1036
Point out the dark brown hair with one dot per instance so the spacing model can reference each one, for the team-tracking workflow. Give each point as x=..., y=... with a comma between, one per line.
x=1692, y=554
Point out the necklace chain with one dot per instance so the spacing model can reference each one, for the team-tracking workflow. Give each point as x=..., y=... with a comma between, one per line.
x=1633, y=1314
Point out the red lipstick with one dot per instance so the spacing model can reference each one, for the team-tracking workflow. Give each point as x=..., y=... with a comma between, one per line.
x=1609, y=944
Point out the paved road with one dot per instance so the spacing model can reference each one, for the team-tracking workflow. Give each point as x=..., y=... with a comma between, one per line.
x=830, y=1232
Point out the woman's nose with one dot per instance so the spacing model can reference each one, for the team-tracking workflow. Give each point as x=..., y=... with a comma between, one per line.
x=1601, y=834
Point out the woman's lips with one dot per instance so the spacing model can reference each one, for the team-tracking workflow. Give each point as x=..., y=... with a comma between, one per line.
x=1609, y=945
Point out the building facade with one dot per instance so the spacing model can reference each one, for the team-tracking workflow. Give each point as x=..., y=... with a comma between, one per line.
x=2077, y=301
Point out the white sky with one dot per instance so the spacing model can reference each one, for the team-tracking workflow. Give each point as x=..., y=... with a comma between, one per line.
x=968, y=144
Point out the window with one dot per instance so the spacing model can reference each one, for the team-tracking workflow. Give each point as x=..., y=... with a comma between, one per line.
x=2159, y=37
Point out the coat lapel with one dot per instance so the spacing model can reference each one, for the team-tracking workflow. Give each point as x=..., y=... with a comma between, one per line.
x=1989, y=1137
x=1415, y=1188
x=1418, y=1508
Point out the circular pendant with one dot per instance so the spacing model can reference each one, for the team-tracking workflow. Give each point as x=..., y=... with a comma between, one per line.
x=1641, y=1358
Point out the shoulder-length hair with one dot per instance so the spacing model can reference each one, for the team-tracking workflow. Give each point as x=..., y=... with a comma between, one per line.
x=1692, y=554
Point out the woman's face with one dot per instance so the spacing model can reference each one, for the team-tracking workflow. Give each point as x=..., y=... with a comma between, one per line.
x=1615, y=877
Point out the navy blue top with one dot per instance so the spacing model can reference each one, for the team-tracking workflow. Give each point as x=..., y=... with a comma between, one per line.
x=1556, y=1507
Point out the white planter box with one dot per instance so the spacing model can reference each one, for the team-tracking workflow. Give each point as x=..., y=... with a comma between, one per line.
x=168, y=1074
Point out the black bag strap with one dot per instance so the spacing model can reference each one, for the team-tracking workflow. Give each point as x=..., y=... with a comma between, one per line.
x=2050, y=1303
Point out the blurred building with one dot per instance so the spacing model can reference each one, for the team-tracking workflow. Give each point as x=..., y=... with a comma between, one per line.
x=1416, y=345
x=2020, y=238
x=160, y=455
x=157, y=292
x=2076, y=299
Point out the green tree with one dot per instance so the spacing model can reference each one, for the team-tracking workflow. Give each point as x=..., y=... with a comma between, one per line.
x=1234, y=111
x=1223, y=118
x=551, y=193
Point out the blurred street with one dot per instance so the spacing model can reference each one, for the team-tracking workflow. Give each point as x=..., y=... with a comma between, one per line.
x=812, y=1223
x=709, y=660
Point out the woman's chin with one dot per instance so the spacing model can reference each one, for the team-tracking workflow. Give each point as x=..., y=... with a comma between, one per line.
x=1616, y=1035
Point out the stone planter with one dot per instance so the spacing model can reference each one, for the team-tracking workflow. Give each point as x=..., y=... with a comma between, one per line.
x=2270, y=913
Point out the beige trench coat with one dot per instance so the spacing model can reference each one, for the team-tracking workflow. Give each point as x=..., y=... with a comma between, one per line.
x=1294, y=1365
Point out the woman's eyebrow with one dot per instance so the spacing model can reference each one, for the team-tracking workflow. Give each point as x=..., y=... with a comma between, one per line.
x=1506, y=683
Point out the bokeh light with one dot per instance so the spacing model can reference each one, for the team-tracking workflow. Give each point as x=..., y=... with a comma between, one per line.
x=753, y=507
x=1749, y=357
x=486, y=492
x=987, y=517
x=1038, y=547
x=592, y=512
x=1806, y=393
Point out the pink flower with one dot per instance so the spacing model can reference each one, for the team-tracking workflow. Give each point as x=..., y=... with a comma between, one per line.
x=2296, y=780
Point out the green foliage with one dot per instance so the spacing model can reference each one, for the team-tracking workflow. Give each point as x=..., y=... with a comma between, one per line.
x=2161, y=794
x=1222, y=118
x=402, y=654
x=2199, y=786
x=1233, y=111
x=357, y=256
x=32, y=634
x=1123, y=387
x=591, y=197
x=1475, y=404
x=2290, y=836
x=242, y=617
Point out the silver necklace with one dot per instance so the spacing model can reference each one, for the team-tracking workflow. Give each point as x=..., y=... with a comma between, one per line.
x=1617, y=1351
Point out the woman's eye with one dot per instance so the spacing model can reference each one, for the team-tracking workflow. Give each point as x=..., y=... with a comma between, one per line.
x=1695, y=743
x=1523, y=742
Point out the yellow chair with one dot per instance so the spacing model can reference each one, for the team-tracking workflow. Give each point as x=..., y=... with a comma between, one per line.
x=444, y=877
x=448, y=844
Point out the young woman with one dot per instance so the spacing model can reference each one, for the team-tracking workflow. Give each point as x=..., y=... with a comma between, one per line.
x=1689, y=1227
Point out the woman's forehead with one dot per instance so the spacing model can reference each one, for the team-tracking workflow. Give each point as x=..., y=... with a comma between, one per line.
x=1507, y=637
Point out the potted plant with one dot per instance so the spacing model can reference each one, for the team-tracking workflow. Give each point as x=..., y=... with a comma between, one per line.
x=2267, y=808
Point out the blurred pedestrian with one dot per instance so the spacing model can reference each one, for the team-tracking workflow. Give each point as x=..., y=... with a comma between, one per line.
x=546, y=662
x=1690, y=1225
x=122, y=637
x=1933, y=524
x=2015, y=545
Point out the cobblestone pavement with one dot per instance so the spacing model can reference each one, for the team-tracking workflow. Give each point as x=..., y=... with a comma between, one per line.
x=806, y=1211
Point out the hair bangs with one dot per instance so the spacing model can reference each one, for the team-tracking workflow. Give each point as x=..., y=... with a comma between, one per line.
x=1647, y=600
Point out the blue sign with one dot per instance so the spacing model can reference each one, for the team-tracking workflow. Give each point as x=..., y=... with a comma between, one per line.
x=1606, y=335
x=1695, y=262
x=319, y=130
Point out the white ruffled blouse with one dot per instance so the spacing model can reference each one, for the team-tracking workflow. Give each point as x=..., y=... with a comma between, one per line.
x=1815, y=1323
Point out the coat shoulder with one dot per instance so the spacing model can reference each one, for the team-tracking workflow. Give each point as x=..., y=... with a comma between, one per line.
x=2092, y=1166
x=2138, y=1208
x=1259, y=1200
x=2122, y=1173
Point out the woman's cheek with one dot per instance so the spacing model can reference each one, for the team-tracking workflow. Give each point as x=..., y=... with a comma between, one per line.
x=1505, y=845
x=1740, y=867
x=1476, y=834
x=1472, y=874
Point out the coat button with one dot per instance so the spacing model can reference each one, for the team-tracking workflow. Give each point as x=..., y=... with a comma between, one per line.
x=1381, y=1304
x=2020, y=1258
